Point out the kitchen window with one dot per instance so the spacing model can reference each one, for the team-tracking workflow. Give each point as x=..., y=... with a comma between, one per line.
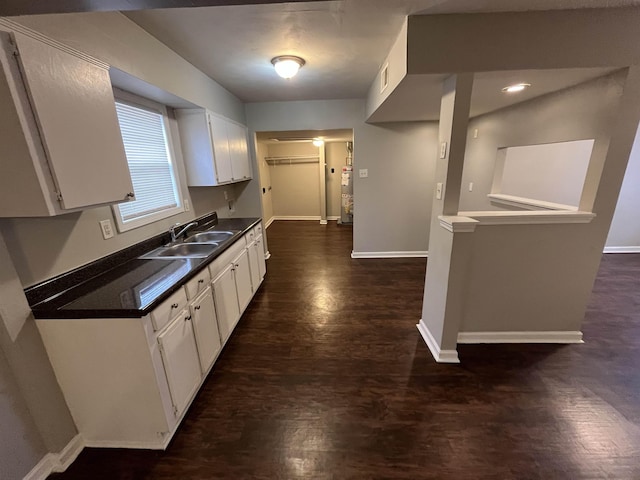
x=145, y=133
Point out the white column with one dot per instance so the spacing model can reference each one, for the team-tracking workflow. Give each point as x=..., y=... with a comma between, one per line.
x=448, y=246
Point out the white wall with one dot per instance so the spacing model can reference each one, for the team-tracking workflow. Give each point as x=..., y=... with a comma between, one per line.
x=266, y=191
x=624, y=235
x=392, y=205
x=296, y=185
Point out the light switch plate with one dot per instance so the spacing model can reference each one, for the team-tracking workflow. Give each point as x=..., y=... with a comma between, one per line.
x=187, y=206
x=107, y=229
x=443, y=150
x=438, y=191
x=363, y=172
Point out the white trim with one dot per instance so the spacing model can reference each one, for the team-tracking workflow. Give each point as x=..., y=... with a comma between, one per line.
x=333, y=218
x=161, y=445
x=43, y=469
x=528, y=203
x=521, y=337
x=400, y=254
x=440, y=356
x=269, y=222
x=294, y=217
x=457, y=224
x=57, y=462
x=529, y=217
x=323, y=222
x=627, y=249
x=16, y=27
x=267, y=256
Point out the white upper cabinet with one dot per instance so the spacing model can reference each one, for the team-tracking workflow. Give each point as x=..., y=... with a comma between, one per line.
x=215, y=148
x=62, y=149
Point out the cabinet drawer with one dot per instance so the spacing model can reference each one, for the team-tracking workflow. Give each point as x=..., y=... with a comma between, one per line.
x=258, y=230
x=198, y=283
x=168, y=309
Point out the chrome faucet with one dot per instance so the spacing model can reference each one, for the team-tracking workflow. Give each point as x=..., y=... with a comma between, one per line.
x=175, y=235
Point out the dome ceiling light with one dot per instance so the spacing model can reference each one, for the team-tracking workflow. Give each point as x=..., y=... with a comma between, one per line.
x=287, y=65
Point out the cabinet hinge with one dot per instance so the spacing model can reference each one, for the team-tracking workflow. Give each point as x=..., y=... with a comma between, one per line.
x=175, y=410
x=59, y=196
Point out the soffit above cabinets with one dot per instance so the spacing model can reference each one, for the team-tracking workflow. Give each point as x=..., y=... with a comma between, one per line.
x=417, y=98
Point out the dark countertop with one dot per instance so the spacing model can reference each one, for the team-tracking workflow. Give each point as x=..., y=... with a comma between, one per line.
x=136, y=286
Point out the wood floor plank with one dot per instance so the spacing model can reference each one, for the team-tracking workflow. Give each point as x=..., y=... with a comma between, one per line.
x=326, y=377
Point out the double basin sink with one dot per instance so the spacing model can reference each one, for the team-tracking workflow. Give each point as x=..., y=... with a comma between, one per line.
x=198, y=245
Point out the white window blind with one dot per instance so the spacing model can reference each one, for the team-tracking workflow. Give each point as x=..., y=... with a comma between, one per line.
x=147, y=149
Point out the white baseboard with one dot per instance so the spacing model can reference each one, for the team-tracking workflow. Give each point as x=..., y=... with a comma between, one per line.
x=57, y=462
x=622, y=249
x=269, y=222
x=293, y=217
x=440, y=356
x=162, y=445
x=520, y=337
x=323, y=222
x=267, y=256
x=402, y=254
x=333, y=218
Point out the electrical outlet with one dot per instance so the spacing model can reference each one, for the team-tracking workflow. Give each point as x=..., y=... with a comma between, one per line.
x=471, y=186
x=187, y=207
x=226, y=195
x=475, y=133
x=107, y=229
x=364, y=173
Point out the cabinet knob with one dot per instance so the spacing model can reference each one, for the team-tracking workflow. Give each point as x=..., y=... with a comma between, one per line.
x=174, y=305
x=201, y=281
x=130, y=195
x=186, y=319
x=197, y=307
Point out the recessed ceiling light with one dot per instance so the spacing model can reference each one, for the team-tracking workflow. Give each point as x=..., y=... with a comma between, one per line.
x=518, y=87
x=318, y=142
x=287, y=65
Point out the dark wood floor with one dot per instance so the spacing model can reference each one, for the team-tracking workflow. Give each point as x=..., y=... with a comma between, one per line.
x=326, y=377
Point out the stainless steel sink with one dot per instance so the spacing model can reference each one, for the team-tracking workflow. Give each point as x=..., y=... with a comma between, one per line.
x=182, y=250
x=210, y=237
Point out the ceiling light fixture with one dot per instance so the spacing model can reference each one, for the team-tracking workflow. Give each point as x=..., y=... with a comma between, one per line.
x=518, y=87
x=287, y=65
x=318, y=142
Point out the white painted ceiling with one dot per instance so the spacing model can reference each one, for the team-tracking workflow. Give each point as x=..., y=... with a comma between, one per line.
x=344, y=42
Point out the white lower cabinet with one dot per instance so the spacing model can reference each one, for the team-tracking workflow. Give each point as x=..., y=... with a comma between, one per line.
x=262, y=264
x=242, y=276
x=253, y=265
x=205, y=326
x=226, y=299
x=129, y=381
x=181, y=362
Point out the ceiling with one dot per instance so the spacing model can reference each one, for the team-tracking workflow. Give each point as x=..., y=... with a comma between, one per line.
x=344, y=44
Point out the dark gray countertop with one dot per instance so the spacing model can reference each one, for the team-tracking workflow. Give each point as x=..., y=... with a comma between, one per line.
x=135, y=287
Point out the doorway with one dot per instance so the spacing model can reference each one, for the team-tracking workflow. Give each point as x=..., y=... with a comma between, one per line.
x=301, y=173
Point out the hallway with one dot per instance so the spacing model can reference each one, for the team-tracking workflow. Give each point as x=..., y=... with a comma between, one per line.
x=326, y=377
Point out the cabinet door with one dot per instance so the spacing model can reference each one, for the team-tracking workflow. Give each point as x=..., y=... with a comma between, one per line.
x=221, y=156
x=205, y=325
x=74, y=107
x=262, y=264
x=239, y=151
x=242, y=275
x=180, y=359
x=226, y=301
x=253, y=266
